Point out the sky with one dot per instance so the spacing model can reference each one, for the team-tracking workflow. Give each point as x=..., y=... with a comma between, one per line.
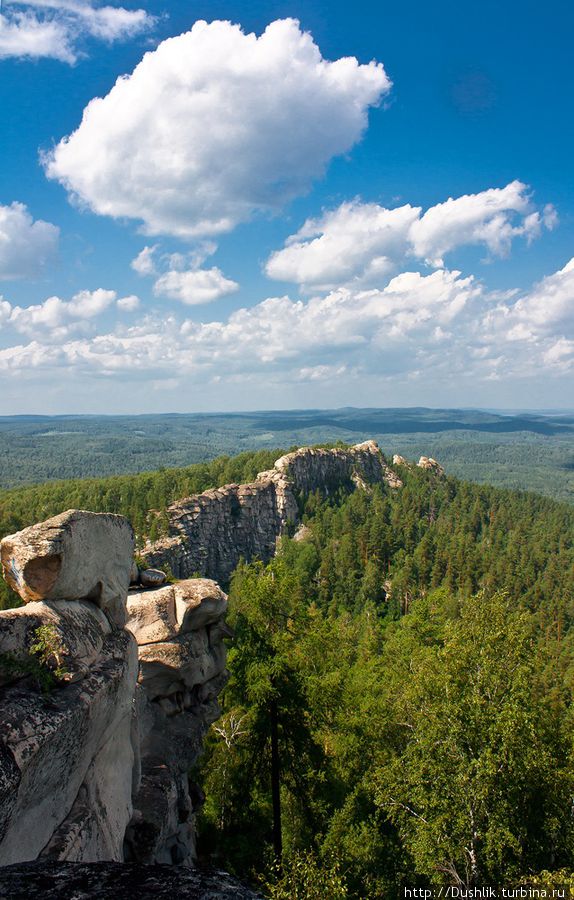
x=245, y=205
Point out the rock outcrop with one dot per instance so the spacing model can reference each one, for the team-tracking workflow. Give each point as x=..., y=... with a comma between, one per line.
x=61, y=559
x=97, y=769
x=210, y=532
x=180, y=630
x=431, y=465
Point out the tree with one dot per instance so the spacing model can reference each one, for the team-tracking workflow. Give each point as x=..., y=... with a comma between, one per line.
x=479, y=785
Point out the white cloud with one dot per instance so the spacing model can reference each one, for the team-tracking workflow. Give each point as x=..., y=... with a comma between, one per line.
x=547, y=311
x=128, y=304
x=53, y=28
x=26, y=246
x=195, y=141
x=484, y=218
x=5, y=310
x=362, y=243
x=307, y=337
x=24, y=35
x=144, y=262
x=422, y=329
x=55, y=318
x=183, y=277
x=356, y=239
x=194, y=286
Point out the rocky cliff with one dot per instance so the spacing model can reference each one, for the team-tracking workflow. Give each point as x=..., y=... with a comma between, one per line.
x=106, y=690
x=96, y=768
x=210, y=532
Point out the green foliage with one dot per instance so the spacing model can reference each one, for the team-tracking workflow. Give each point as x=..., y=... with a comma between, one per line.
x=305, y=877
x=479, y=783
x=143, y=499
x=401, y=687
x=45, y=662
x=528, y=451
x=418, y=649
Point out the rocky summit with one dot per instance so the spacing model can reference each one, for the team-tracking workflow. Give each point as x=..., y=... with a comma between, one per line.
x=95, y=769
x=211, y=532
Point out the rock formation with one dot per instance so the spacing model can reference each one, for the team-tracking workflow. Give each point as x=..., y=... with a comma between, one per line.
x=97, y=769
x=61, y=559
x=48, y=880
x=210, y=532
x=427, y=462
x=179, y=630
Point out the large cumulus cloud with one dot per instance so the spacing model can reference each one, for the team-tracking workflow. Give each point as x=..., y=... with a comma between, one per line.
x=215, y=125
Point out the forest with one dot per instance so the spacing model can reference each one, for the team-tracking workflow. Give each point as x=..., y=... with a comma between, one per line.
x=531, y=451
x=400, y=703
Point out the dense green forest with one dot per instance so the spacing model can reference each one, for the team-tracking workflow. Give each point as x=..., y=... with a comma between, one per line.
x=532, y=451
x=399, y=711
x=400, y=705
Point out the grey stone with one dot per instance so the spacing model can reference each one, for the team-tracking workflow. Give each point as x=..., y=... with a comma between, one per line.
x=210, y=532
x=77, y=555
x=53, y=742
x=114, y=881
x=80, y=627
x=152, y=577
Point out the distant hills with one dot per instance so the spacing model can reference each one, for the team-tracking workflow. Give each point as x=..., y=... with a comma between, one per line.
x=531, y=450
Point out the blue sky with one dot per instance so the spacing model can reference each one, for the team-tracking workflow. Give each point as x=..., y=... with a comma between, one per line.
x=393, y=229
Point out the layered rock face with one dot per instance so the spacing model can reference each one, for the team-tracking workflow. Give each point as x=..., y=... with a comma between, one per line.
x=66, y=758
x=210, y=532
x=179, y=629
x=97, y=768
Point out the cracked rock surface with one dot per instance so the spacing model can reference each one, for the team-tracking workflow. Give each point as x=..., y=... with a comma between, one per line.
x=118, y=881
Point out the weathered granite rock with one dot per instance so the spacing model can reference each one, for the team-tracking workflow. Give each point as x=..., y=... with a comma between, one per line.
x=114, y=881
x=80, y=627
x=95, y=826
x=152, y=577
x=151, y=614
x=49, y=745
x=162, y=828
x=76, y=555
x=180, y=632
x=427, y=462
x=198, y=602
x=210, y=532
x=160, y=614
x=399, y=460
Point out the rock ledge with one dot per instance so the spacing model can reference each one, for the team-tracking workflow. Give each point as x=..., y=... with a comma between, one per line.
x=118, y=881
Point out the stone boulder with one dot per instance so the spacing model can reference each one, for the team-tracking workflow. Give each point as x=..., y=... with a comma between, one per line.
x=180, y=631
x=77, y=555
x=399, y=460
x=152, y=577
x=162, y=614
x=66, y=762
